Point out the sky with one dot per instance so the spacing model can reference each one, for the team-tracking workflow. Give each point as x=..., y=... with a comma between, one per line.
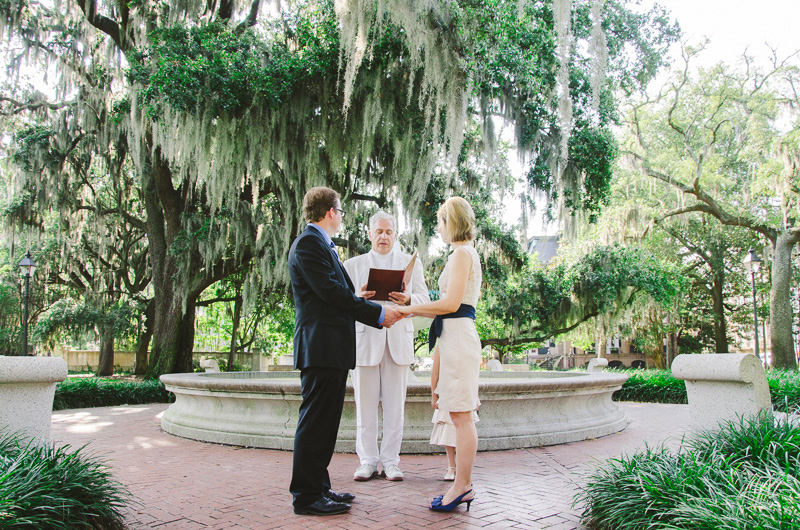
x=736, y=25
x=732, y=26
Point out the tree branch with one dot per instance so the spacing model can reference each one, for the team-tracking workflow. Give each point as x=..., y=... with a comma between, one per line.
x=102, y=23
x=525, y=340
x=33, y=105
x=206, y=303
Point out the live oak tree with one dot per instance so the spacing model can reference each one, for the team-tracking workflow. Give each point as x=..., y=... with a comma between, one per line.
x=91, y=247
x=598, y=286
x=717, y=140
x=708, y=253
x=227, y=113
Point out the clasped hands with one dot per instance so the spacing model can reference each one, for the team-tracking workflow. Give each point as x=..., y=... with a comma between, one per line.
x=392, y=314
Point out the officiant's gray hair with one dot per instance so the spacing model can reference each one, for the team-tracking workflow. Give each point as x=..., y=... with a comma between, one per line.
x=382, y=215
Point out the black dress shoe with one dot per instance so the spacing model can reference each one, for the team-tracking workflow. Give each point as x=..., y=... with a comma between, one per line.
x=339, y=497
x=324, y=506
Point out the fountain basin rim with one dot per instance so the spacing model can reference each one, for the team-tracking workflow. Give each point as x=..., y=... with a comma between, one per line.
x=497, y=383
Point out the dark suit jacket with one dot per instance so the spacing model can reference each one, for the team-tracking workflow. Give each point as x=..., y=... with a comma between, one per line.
x=326, y=306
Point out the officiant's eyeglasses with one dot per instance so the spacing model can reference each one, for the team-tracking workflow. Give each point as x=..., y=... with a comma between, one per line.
x=341, y=212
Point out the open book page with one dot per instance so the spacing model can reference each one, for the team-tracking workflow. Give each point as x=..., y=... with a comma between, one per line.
x=385, y=281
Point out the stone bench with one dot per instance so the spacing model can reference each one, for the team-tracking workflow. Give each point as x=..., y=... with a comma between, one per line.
x=493, y=365
x=210, y=365
x=598, y=364
x=27, y=387
x=722, y=387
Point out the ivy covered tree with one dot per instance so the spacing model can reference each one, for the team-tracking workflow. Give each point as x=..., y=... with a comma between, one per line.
x=227, y=112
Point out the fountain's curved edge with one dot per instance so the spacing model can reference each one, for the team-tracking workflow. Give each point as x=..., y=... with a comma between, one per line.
x=518, y=410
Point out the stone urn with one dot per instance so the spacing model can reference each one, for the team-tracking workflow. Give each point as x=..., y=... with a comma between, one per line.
x=27, y=387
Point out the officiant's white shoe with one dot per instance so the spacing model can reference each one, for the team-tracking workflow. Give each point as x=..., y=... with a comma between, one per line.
x=365, y=472
x=393, y=473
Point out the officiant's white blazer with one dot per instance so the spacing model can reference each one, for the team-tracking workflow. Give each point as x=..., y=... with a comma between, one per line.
x=370, y=342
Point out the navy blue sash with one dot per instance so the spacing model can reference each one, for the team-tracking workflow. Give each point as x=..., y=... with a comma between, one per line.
x=435, y=332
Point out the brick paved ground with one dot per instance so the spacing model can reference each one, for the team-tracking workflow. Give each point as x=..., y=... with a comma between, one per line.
x=183, y=484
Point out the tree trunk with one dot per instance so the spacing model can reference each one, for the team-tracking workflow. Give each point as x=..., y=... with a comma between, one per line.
x=237, y=317
x=176, y=290
x=173, y=336
x=720, y=323
x=657, y=353
x=600, y=347
x=143, y=344
x=105, y=366
x=672, y=349
x=173, y=332
x=780, y=307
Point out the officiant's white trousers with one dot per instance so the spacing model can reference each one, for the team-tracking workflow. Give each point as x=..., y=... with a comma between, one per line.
x=386, y=383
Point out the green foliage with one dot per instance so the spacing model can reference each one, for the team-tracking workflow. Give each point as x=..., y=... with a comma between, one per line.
x=542, y=302
x=33, y=145
x=85, y=392
x=225, y=69
x=753, y=442
x=784, y=389
x=67, y=316
x=45, y=487
x=592, y=151
x=218, y=125
x=651, y=386
x=10, y=321
x=744, y=476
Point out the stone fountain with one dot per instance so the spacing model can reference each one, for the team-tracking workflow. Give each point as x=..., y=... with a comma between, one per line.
x=518, y=409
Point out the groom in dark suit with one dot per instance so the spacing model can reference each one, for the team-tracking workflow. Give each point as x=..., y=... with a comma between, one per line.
x=326, y=309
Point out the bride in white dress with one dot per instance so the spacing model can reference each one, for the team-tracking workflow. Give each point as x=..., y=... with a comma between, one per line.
x=457, y=343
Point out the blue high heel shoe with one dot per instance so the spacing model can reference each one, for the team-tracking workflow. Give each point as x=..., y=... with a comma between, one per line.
x=437, y=506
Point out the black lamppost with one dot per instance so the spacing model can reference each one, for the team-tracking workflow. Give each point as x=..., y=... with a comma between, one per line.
x=27, y=267
x=753, y=264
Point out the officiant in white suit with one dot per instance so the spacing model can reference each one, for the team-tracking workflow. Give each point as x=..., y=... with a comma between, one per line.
x=383, y=356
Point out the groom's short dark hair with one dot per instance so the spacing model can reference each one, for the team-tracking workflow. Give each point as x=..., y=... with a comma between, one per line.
x=317, y=201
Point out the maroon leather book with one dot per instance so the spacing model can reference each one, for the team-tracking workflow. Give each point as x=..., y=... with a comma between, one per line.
x=385, y=281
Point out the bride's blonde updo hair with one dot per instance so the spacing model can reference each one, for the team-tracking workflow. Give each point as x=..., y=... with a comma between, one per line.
x=458, y=219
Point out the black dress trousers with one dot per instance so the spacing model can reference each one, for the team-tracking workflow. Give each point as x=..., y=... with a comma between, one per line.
x=323, y=392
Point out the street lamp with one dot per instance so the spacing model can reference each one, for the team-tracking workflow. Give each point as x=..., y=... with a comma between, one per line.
x=27, y=266
x=753, y=264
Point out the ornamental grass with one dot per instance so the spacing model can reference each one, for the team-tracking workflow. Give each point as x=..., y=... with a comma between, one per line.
x=47, y=487
x=743, y=476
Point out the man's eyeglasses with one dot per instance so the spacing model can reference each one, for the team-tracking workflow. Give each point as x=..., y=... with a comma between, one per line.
x=341, y=212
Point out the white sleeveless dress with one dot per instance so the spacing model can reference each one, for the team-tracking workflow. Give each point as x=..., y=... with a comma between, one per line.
x=460, y=347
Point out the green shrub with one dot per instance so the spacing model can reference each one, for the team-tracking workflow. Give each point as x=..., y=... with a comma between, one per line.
x=651, y=386
x=77, y=393
x=45, y=487
x=743, y=476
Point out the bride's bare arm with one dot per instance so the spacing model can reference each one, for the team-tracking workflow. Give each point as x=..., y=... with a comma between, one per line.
x=461, y=263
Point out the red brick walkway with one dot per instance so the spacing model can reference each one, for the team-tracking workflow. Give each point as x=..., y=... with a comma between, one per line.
x=183, y=484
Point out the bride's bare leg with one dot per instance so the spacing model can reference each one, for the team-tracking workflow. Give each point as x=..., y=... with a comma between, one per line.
x=466, y=449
